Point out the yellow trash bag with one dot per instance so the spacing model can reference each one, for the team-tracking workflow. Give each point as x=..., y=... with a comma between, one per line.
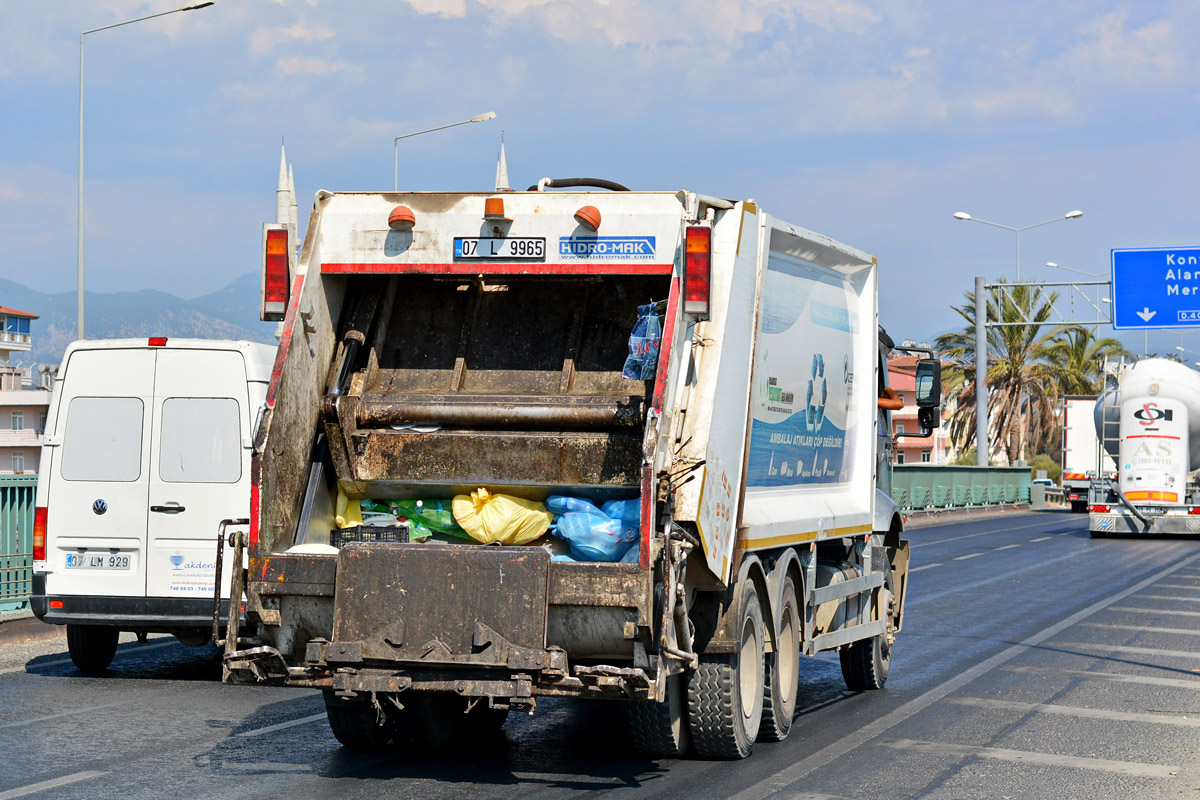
x=500, y=518
x=348, y=512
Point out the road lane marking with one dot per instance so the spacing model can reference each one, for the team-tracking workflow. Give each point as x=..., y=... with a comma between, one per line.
x=1174, y=683
x=1167, y=597
x=1041, y=759
x=982, y=533
x=836, y=750
x=1077, y=711
x=1042, y=539
x=85, y=710
x=263, y=766
x=53, y=783
x=1006, y=547
x=968, y=555
x=1193, y=586
x=1156, y=611
x=1143, y=628
x=282, y=725
x=1139, y=651
x=58, y=662
x=926, y=566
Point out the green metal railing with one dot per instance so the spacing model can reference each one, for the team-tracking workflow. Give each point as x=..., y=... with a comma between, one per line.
x=920, y=487
x=16, y=540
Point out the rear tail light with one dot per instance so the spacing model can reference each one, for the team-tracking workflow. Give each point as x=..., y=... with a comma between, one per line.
x=275, y=274
x=39, y=534
x=157, y=341
x=697, y=270
x=1194, y=511
x=1100, y=509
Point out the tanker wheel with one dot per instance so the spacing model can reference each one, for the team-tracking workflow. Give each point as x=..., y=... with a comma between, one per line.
x=725, y=694
x=357, y=724
x=660, y=730
x=1099, y=534
x=782, y=675
x=92, y=647
x=865, y=663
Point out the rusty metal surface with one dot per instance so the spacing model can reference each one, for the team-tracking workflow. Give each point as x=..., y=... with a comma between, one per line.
x=504, y=411
x=293, y=574
x=442, y=604
x=583, y=584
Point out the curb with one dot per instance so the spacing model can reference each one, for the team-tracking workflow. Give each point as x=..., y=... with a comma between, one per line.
x=924, y=519
x=23, y=626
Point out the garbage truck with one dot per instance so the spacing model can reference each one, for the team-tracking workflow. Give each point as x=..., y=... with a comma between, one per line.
x=1148, y=419
x=443, y=348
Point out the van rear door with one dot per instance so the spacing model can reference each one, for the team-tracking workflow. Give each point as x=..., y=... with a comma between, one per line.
x=97, y=495
x=199, y=467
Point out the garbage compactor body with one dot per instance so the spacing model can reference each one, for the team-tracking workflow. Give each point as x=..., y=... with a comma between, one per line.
x=481, y=342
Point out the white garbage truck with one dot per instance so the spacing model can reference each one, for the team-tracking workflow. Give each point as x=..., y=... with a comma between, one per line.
x=435, y=344
x=1149, y=420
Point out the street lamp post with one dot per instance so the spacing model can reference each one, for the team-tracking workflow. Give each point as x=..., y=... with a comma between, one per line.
x=1069, y=215
x=396, y=142
x=79, y=257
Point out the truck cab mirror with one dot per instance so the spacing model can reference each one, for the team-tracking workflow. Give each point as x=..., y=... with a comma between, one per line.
x=929, y=385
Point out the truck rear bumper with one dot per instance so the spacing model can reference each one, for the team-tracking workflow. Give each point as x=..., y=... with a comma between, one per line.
x=1125, y=523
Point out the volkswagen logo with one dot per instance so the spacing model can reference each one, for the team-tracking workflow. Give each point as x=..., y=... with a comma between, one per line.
x=99, y=507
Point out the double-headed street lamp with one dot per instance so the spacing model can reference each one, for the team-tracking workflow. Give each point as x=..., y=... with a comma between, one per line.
x=79, y=259
x=396, y=142
x=1069, y=215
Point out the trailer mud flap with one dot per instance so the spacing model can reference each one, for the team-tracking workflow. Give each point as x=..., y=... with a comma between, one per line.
x=899, y=557
x=429, y=604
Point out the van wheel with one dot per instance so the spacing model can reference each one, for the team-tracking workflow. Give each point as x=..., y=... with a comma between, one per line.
x=92, y=647
x=865, y=663
x=725, y=694
x=358, y=724
x=660, y=730
x=782, y=676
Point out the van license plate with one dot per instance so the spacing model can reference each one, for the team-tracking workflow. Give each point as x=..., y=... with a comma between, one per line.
x=507, y=247
x=97, y=561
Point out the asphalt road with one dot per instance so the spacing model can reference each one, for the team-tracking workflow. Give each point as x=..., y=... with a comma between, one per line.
x=1035, y=662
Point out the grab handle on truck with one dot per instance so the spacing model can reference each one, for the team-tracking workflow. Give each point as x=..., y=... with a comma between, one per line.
x=236, y=540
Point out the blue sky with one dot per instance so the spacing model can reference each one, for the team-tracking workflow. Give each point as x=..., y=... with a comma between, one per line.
x=871, y=122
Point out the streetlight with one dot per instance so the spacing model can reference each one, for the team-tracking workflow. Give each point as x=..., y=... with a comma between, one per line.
x=1069, y=215
x=79, y=258
x=396, y=142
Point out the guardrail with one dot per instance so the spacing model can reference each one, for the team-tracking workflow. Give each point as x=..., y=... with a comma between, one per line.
x=17, y=494
x=921, y=487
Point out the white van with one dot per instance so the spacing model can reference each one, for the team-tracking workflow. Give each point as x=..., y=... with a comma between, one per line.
x=147, y=448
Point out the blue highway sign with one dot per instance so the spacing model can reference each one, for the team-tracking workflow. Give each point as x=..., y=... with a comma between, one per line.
x=1156, y=288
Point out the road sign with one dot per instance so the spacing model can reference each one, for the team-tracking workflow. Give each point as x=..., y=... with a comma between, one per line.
x=1156, y=288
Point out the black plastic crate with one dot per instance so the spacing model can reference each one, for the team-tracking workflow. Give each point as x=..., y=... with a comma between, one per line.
x=339, y=537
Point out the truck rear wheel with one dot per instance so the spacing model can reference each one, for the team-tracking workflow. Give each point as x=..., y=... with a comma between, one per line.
x=660, y=730
x=358, y=724
x=865, y=663
x=782, y=671
x=725, y=694
x=92, y=647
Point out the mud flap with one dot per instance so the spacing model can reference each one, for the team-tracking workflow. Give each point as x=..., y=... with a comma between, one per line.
x=899, y=558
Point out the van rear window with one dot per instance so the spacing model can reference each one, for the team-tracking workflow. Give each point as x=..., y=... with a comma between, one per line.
x=201, y=440
x=103, y=439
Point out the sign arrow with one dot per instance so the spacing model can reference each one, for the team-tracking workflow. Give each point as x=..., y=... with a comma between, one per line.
x=1146, y=314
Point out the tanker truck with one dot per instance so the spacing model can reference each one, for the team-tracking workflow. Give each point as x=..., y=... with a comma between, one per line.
x=441, y=350
x=1148, y=420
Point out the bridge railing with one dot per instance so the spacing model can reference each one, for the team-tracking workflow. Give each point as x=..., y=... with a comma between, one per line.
x=16, y=540
x=921, y=487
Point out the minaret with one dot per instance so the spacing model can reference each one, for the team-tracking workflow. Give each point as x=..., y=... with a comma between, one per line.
x=502, y=169
x=282, y=202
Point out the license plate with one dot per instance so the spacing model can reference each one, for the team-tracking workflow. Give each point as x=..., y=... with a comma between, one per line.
x=504, y=247
x=98, y=561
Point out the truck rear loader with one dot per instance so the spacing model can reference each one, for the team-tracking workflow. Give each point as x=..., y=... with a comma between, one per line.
x=436, y=343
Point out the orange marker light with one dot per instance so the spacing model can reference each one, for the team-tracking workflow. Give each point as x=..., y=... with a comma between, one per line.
x=588, y=217
x=402, y=219
x=493, y=208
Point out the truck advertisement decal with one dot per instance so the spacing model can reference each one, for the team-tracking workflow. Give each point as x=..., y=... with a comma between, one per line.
x=1154, y=457
x=607, y=248
x=802, y=408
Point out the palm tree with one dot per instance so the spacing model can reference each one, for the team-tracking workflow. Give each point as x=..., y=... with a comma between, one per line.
x=1076, y=356
x=1021, y=387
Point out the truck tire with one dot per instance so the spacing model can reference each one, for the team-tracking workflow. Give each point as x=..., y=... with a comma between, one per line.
x=357, y=724
x=782, y=670
x=660, y=730
x=1078, y=507
x=1099, y=534
x=865, y=663
x=725, y=694
x=92, y=647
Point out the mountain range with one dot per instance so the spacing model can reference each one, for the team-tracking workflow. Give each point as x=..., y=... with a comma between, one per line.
x=228, y=313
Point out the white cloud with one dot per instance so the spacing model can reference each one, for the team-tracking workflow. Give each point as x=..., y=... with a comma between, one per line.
x=264, y=40
x=312, y=66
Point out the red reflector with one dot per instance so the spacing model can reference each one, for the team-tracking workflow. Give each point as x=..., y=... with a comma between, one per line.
x=275, y=274
x=697, y=270
x=56, y=603
x=157, y=341
x=39, y=534
x=1098, y=509
x=1194, y=511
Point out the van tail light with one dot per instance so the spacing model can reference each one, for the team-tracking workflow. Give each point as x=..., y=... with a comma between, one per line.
x=39, y=534
x=1100, y=509
x=274, y=273
x=697, y=270
x=156, y=341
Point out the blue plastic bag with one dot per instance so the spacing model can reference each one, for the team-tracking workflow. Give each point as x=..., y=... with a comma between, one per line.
x=560, y=504
x=629, y=512
x=642, y=361
x=593, y=537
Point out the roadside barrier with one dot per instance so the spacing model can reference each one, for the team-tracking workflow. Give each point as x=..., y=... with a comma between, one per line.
x=17, y=494
x=918, y=487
